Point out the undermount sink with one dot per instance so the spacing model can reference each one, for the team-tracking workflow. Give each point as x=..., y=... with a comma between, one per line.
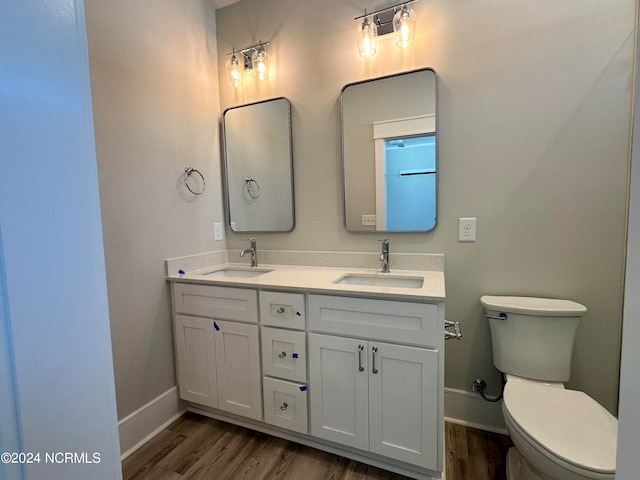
x=381, y=280
x=237, y=272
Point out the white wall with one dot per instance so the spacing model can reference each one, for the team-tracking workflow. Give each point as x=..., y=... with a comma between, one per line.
x=155, y=99
x=534, y=119
x=53, y=292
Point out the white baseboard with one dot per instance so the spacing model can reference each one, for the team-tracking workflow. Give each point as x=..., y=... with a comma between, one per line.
x=140, y=426
x=471, y=410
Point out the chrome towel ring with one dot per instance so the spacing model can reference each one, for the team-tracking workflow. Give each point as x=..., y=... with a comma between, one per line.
x=253, y=189
x=187, y=173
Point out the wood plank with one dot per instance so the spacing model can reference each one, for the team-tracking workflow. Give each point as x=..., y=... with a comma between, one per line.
x=457, y=451
x=487, y=453
x=195, y=447
x=135, y=466
x=201, y=438
x=156, y=472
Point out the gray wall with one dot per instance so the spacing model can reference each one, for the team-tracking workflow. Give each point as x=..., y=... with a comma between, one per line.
x=155, y=100
x=534, y=120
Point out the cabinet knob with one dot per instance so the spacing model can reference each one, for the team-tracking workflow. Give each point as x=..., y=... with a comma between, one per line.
x=284, y=406
x=280, y=310
x=282, y=355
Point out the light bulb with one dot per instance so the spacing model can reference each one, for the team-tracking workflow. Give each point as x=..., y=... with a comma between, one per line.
x=234, y=71
x=366, y=34
x=404, y=23
x=259, y=60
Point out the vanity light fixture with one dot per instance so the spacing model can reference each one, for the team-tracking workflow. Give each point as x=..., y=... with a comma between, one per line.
x=254, y=58
x=396, y=18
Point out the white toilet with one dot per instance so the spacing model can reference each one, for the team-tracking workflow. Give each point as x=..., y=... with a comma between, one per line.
x=559, y=434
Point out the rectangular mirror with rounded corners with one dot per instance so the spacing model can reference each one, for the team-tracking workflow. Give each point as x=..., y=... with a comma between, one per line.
x=389, y=147
x=258, y=166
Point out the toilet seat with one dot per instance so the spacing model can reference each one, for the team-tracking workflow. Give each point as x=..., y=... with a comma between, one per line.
x=567, y=424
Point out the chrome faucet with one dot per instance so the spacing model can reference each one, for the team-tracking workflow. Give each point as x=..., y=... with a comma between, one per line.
x=384, y=256
x=253, y=250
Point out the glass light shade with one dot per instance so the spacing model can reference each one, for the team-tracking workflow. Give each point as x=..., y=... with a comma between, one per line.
x=260, y=63
x=235, y=70
x=366, y=37
x=404, y=26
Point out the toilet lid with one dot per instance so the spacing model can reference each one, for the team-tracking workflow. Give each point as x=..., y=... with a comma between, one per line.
x=533, y=306
x=567, y=423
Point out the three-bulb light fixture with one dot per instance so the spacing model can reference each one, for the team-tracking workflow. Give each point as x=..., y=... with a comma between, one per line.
x=398, y=19
x=254, y=58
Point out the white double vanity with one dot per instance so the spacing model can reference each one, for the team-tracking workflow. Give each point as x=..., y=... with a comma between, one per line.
x=347, y=360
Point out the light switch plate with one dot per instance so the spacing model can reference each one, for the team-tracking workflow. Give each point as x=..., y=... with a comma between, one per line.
x=217, y=231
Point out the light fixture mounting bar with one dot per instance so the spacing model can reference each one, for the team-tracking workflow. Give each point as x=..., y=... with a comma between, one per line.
x=253, y=47
x=247, y=53
x=385, y=9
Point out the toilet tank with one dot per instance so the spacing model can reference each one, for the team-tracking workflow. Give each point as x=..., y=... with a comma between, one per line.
x=533, y=337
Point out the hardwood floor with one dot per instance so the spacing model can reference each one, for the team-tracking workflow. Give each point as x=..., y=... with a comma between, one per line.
x=195, y=447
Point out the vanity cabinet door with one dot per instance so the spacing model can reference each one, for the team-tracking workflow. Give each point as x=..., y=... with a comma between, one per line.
x=339, y=393
x=389, y=407
x=403, y=403
x=195, y=356
x=238, y=368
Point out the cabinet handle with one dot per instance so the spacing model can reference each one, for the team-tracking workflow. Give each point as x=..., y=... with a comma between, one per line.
x=360, y=367
x=284, y=406
x=281, y=310
x=282, y=355
x=373, y=359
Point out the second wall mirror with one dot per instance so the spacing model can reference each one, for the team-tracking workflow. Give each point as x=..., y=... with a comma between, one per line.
x=389, y=150
x=258, y=166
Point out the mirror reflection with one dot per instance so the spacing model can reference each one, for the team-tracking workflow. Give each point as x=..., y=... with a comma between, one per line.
x=258, y=166
x=389, y=154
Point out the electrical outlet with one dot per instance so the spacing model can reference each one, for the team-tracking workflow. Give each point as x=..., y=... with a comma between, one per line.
x=466, y=229
x=368, y=219
x=217, y=231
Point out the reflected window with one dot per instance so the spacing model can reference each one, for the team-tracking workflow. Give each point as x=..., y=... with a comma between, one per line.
x=410, y=167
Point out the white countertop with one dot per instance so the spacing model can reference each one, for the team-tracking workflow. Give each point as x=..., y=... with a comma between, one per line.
x=321, y=280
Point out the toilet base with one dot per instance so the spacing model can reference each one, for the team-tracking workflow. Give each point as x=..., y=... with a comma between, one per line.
x=518, y=468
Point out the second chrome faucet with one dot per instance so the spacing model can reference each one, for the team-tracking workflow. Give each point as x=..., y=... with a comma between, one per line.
x=253, y=250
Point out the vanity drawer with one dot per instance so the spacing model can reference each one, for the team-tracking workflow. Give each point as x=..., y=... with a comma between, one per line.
x=284, y=354
x=216, y=302
x=282, y=309
x=406, y=322
x=285, y=404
